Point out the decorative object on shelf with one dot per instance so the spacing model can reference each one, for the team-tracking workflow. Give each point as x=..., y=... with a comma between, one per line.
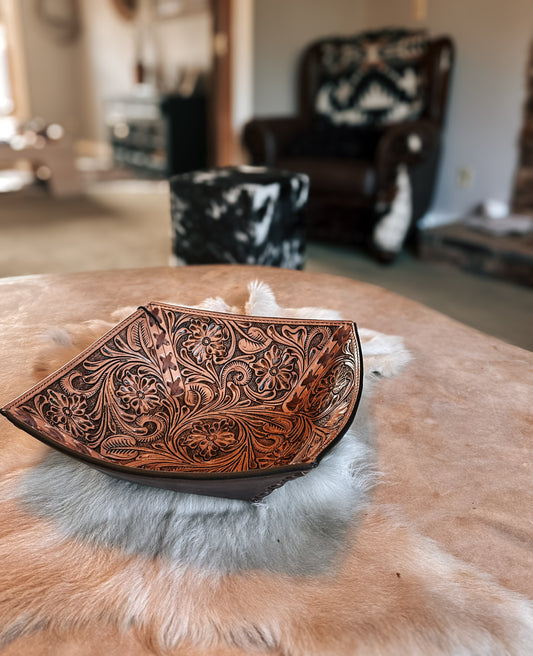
x=247, y=215
x=158, y=135
x=191, y=81
x=199, y=401
x=164, y=9
x=126, y=8
x=147, y=56
x=49, y=152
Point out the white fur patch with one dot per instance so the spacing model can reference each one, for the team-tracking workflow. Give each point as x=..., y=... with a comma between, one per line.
x=391, y=230
x=383, y=355
x=58, y=336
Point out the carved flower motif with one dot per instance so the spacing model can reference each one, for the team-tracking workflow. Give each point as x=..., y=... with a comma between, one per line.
x=329, y=387
x=69, y=413
x=206, y=340
x=210, y=438
x=276, y=456
x=274, y=370
x=138, y=393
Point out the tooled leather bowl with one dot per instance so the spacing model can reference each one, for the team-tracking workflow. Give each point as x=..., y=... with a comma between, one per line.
x=201, y=402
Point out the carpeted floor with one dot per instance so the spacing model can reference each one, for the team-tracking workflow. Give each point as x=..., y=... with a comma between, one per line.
x=117, y=225
x=125, y=224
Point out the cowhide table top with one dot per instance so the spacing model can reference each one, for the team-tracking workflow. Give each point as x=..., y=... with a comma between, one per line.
x=454, y=430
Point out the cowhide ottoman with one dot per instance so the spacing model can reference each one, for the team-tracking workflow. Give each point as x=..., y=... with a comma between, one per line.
x=239, y=215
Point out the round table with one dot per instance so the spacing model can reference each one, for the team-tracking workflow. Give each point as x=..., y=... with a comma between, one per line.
x=453, y=430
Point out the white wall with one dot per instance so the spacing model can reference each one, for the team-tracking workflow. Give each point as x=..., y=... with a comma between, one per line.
x=488, y=89
x=107, y=62
x=282, y=28
x=52, y=69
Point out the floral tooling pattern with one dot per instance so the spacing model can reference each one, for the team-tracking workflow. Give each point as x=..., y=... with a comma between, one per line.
x=179, y=390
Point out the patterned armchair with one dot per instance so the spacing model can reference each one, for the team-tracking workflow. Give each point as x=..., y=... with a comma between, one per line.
x=368, y=133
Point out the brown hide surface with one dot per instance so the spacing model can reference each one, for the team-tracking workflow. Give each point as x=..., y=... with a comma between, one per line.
x=454, y=430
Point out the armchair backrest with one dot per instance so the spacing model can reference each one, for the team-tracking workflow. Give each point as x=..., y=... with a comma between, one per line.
x=376, y=78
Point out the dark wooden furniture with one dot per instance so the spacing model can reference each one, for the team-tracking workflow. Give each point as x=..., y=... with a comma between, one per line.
x=509, y=257
x=159, y=136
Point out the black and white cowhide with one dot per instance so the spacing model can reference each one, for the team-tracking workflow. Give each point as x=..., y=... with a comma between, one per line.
x=239, y=215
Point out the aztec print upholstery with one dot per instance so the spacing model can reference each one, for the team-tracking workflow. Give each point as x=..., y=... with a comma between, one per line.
x=374, y=78
x=244, y=215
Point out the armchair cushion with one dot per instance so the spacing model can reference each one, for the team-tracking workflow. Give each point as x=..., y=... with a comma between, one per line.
x=341, y=176
x=374, y=78
x=267, y=139
x=326, y=140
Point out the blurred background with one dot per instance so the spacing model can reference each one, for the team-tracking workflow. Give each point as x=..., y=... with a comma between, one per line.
x=102, y=100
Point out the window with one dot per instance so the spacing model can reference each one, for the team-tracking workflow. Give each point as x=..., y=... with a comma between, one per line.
x=6, y=95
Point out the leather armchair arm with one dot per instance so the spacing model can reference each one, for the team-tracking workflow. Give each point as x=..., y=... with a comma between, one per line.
x=412, y=143
x=407, y=143
x=266, y=139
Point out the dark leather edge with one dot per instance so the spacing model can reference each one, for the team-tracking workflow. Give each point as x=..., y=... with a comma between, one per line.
x=252, y=485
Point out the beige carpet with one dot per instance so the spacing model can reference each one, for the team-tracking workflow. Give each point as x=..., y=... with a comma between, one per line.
x=117, y=225
x=126, y=224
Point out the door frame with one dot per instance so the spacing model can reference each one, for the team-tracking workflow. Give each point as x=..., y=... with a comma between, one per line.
x=221, y=81
x=231, y=79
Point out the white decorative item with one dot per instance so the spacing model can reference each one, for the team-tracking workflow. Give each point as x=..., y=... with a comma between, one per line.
x=495, y=209
x=391, y=230
x=414, y=143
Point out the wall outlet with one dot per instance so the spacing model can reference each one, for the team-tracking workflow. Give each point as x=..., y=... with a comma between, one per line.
x=465, y=177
